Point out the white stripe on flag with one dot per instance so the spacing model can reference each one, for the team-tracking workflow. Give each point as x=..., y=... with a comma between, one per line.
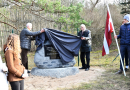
x=109, y=24
x=106, y=45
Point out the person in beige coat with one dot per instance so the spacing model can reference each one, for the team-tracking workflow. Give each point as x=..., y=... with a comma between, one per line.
x=16, y=70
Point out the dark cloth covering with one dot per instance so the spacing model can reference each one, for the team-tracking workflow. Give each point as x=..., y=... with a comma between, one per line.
x=66, y=45
x=40, y=41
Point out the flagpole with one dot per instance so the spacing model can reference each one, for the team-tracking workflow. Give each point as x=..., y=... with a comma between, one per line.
x=117, y=43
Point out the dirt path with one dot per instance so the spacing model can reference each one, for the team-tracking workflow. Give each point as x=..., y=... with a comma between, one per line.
x=47, y=83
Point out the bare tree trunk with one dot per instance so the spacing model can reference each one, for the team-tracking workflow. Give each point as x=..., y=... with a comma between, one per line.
x=94, y=4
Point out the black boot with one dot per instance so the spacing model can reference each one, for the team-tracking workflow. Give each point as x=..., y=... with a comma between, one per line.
x=86, y=69
x=119, y=72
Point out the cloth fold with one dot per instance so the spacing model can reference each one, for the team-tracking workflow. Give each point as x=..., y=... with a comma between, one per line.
x=66, y=45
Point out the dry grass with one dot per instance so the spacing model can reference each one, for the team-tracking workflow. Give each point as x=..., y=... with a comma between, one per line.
x=108, y=81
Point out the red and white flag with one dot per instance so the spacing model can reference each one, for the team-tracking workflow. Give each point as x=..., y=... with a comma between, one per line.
x=107, y=36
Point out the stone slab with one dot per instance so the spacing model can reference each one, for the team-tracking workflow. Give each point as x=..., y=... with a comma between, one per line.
x=55, y=72
x=44, y=62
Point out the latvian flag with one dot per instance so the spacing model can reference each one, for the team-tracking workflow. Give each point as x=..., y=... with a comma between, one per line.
x=107, y=36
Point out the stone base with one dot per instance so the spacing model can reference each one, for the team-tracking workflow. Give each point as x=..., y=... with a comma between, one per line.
x=55, y=72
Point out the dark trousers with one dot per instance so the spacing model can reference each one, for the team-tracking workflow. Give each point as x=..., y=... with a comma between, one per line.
x=24, y=58
x=17, y=85
x=82, y=56
x=124, y=49
x=126, y=59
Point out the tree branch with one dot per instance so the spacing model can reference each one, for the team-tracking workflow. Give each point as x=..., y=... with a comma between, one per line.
x=94, y=5
x=6, y=17
x=14, y=3
x=41, y=17
x=91, y=2
x=9, y=25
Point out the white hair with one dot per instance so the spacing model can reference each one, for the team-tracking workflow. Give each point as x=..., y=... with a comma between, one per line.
x=28, y=24
x=83, y=26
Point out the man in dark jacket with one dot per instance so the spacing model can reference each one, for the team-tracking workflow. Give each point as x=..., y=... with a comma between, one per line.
x=85, y=47
x=25, y=42
x=124, y=36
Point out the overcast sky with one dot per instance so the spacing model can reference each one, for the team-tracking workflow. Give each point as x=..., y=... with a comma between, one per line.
x=109, y=1
x=105, y=1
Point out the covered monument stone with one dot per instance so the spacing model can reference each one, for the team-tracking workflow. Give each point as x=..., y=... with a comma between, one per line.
x=55, y=53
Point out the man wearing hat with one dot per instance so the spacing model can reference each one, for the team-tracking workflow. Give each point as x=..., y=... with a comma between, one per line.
x=124, y=36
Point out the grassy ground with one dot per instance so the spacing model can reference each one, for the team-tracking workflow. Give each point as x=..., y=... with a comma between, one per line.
x=95, y=56
x=108, y=80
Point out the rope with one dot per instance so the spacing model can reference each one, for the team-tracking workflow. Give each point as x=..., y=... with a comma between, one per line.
x=115, y=58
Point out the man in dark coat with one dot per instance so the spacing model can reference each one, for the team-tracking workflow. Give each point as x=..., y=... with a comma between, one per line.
x=25, y=42
x=124, y=36
x=85, y=47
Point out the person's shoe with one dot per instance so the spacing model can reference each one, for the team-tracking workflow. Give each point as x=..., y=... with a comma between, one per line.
x=126, y=69
x=119, y=72
x=82, y=68
x=29, y=72
x=86, y=69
